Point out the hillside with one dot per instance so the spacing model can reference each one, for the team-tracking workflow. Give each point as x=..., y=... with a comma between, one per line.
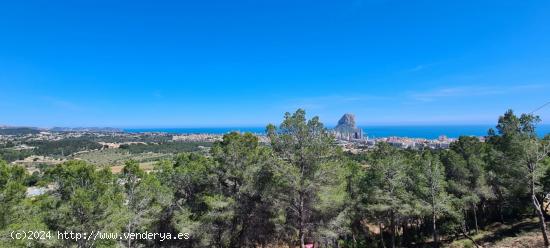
x=523, y=233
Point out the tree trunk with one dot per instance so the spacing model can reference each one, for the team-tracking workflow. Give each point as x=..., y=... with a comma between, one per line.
x=301, y=221
x=463, y=229
x=500, y=201
x=501, y=215
x=540, y=215
x=541, y=221
x=302, y=205
x=435, y=236
x=465, y=214
x=392, y=227
x=483, y=214
x=382, y=235
x=405, y=234
x=475, y=217
x=129, y=239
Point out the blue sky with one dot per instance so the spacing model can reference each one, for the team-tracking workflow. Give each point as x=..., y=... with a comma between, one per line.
x=245, y=63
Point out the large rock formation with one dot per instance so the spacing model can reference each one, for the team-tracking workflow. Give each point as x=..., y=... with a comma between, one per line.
x=346, y=128
x=347, y=121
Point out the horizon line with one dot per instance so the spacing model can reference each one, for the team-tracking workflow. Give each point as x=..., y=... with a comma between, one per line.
x=246, y=126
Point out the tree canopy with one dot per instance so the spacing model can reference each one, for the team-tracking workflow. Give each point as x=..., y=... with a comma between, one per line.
x=300, y=188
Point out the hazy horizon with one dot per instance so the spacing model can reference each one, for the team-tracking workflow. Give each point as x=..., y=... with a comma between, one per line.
x=327, y=124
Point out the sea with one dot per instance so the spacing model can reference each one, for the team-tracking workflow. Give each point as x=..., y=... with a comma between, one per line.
x=416, y=131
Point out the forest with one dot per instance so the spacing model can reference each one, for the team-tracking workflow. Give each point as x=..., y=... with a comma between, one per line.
x=299, y=189
x=165, y=147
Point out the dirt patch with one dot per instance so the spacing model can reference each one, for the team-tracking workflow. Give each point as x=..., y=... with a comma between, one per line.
x=524, y=234
x=526, y=240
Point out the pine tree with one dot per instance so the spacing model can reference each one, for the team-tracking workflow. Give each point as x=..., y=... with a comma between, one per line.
x=306, y=148
x=144, y=196
x=432, y=189
x=388, y=183
x=86, y=199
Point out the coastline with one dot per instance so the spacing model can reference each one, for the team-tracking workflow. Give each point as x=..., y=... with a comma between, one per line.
x=375, y=131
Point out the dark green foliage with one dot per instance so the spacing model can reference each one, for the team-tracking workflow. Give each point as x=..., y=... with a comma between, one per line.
x=11, y=155
x=298, y=189
x=245, y=173
x=190, y=179
x=85, y=199
x=12, y=191
x=387, y=185
x=165, y=147
x=145, y=198
x=138, y=137
x=310, y=178
x=466, y=173
x=63, y=147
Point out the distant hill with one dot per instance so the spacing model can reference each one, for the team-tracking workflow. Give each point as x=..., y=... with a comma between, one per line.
x=18, y=130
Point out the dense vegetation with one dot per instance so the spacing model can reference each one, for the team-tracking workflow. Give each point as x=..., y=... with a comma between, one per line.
x=165, y=147
x=63, y=147
x=142, y=137
x=10, y=155
x=300, y=189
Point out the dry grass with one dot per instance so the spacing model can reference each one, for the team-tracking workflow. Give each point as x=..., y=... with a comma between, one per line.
x=520, y=234
x=526, y=240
